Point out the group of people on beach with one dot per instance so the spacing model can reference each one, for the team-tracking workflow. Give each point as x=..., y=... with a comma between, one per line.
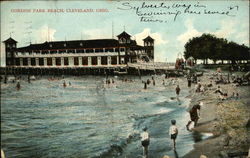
x=224, y=95
x=173, y=129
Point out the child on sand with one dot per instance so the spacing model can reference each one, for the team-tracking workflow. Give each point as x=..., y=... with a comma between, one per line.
x=173, y=132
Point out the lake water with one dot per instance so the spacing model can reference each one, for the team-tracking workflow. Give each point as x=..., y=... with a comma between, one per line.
x=91, y=119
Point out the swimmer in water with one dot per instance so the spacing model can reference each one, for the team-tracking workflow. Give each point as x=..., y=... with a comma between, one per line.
x=64, y=84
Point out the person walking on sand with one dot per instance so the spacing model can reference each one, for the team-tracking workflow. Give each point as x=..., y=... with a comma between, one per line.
x=194, y=114
x=173, y=132
x=145, y=140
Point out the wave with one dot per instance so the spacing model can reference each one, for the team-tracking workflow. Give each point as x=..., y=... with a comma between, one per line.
x=116, y=149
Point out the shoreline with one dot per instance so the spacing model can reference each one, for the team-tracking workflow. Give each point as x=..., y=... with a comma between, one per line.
x=226, y=120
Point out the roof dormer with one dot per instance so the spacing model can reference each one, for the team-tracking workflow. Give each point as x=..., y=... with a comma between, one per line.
x=124, y=38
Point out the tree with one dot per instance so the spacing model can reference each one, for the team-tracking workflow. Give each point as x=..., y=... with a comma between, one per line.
x=208, y=46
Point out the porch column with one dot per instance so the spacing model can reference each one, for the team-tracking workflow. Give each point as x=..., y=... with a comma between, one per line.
x=37, y=61
x=71, y=61
x=117, y=59
x=45, y=61
x=21, y=61
x=62, y=61
x=80, y=60
x=53, y=61
x=29, y=61
x=89, y=61
x=99, y=60
x=109, y=60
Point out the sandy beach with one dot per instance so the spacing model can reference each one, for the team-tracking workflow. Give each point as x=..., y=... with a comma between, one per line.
x=227, y=120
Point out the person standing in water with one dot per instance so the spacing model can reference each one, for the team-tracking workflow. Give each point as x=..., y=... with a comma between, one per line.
x=177, y=90
x=173, y=132
x=18, y=86
x=64, y=84
x=145, y=141
x=194, y=114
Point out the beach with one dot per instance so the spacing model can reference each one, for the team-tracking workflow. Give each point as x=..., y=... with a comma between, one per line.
x=226, y=120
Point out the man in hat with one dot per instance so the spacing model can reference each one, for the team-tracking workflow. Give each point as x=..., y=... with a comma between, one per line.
x=145, y=141
x=194, y=114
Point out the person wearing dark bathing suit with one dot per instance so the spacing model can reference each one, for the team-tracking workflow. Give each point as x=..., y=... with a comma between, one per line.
x=177, y=90
x=194, y=115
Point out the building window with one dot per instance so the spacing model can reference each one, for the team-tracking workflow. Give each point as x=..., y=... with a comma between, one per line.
x=80, y=51
x=104, y=60
x=50, y=45
x=9, y=54
x=53, y=51
x=84, y=60
x=76, y=61
x=113, y=60
x=123, y=40
x=94, y=61
x=109, y=50
x=62, y=51
x=66, y=61
x=17, y=61
x=64, y=44
x=25, y=61
x=33, y=61
x=8, y=45
x=58, y=61
x=41, y=62
x=98, y=50
x=14, y=46
x=122, y=60
x=89, y=51
x=49, y=61
x=71, y=51
x=45, y=52
x=81, y=44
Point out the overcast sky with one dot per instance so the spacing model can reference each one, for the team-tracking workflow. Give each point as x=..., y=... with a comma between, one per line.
x=170, y=32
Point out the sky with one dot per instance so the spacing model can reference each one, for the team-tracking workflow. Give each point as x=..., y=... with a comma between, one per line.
x=170, y=32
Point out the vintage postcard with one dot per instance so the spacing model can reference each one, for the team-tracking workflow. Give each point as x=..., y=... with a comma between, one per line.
x=125, y=79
